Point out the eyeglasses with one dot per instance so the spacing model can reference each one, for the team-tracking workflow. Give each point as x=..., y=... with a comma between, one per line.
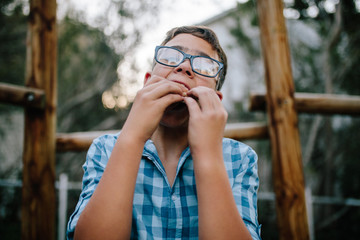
x=202, y=65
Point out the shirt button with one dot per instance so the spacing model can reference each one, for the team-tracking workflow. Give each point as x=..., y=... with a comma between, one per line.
x=173, y=197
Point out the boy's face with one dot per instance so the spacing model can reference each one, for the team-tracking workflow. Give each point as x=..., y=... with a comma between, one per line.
x=177, y=114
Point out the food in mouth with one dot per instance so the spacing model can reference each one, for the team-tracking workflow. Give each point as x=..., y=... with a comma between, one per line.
x=178, y=106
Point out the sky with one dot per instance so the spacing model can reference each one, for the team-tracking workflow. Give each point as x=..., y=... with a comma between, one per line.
x=175, y=12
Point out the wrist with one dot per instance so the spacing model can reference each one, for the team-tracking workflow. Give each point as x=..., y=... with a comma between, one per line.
x=131, y=136
x=129, y=141
x=208, y=160
x=203, y=151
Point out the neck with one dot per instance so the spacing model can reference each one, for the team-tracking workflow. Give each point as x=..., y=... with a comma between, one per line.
x=170, y=142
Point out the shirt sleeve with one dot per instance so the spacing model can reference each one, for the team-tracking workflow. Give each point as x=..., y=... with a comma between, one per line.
x=96, y=159
x=245, y=187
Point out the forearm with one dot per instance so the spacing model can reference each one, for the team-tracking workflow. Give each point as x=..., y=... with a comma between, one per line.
x=218, y=214
x=109, y=211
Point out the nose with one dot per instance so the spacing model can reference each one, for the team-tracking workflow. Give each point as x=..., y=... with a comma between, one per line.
x=185, y=67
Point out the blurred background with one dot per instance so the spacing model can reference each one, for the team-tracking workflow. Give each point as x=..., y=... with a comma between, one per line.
x=104, y=49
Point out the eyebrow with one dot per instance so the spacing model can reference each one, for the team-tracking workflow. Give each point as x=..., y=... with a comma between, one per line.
x=184, y=49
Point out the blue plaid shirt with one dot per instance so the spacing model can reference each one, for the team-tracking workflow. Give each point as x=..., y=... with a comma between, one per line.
x=164, y=212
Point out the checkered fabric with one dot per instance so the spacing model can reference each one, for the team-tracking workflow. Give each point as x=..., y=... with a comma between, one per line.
x=164, y=212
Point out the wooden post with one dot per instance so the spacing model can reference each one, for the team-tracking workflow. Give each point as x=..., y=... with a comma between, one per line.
x=38, y=192
x=284, y=134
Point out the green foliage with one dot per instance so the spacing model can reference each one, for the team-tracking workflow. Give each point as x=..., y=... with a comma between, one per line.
x=267, y=217
x=246, y=10
x=86, y=67
x=13, y=40
x=88, y=61
x=348, y=172
x=12, y=48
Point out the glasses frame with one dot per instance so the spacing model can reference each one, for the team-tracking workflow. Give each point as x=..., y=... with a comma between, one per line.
x=191, y=58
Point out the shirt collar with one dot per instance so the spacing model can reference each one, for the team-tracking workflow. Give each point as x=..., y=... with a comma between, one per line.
x=151, y=154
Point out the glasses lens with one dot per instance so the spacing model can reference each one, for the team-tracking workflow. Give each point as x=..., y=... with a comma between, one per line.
x=205, y=66
x=169, y=56
x=173, y=57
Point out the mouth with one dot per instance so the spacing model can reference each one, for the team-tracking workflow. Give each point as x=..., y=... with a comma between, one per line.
x=188, y=87
x=176, y=107
x=179, y=106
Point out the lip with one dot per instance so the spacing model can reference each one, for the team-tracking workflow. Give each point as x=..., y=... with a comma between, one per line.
x=187, y=86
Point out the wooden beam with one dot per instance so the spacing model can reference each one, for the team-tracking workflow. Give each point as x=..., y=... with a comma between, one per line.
x=315, y=103
x=288, y=175
x=246, y=131
x=22, y=96
x=81, y=141
x=38, y=191
x=78, y=141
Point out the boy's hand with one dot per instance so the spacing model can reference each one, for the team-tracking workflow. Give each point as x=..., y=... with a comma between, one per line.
x=207, y=120
x=149, y=105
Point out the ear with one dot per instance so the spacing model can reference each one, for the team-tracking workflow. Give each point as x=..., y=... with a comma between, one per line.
x=220, y=95
x=147, y=77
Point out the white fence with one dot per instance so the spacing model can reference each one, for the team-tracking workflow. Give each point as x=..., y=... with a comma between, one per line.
x=63, y=185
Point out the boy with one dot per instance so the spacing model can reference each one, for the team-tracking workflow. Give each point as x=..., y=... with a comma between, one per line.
x=166, y=175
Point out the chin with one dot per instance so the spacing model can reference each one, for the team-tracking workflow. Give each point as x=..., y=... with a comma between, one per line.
x=171, y=120
x=176, y=115
x=174, y=123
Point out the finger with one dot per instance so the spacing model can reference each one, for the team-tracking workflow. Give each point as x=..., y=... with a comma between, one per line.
x=157, y=82
x=167, y=100
x=192, y=105
x=160, y=89
x=155, y=79
x=206, y=97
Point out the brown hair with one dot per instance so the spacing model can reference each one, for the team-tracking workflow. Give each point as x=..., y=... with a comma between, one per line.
x=206, y=34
